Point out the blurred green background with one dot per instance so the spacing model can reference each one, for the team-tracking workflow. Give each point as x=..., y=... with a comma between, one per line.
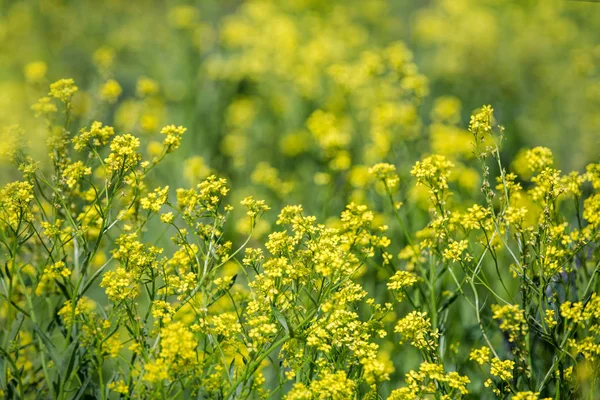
x=289, y=96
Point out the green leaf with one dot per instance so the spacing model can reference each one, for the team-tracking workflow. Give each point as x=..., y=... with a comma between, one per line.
x=16, y=327
x=81, y=392
x=68, y=360
x=283, y=321
x=51, y=350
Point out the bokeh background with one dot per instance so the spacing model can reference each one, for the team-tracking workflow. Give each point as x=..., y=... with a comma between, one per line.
x=292, y=101
x=293, y=95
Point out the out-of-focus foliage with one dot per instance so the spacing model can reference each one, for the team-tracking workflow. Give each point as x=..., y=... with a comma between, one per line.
x=537, y=60
x=252, y=80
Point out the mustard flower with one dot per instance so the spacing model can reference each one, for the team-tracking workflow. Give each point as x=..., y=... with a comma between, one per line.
x=124, y=156
x=44, y=106
x=154, y=200
x=400, y=281
x=481, y=355
x=502, y=369
x=111, y=91
x=120, y=285
x=433, y=172
x=512, y=320
x=255, y=207
x=481, y=122
x=35, y=72
x=385, y=173
x=74, y=172
x=97, y=135
x=63, y=90
x=416, y=329
x=455, y=251
x=539, y=158
x=173, y=136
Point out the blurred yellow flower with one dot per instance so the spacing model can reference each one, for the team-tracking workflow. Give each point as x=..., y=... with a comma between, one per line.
x=35, y=72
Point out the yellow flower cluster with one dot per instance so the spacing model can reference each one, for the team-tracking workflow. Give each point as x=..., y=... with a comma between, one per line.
x=428, y=379
x=539, y=158
x=55, y=271
x=177, y=353
x=154, y=200
x=255, y=207
x=502, y=369
x=584, y=315
x=124, y=155
x=207, y=197
x=74, y=172
x=14, y=203
x=512, y=320
x=111, y=91
x=455, y=251
x=433, y=172
x=416, y=329
x=173, y=137
x=120, y=285
x=96, y=136
x=400, y=281
x=481, y=355
x=44, y=106
x=332, y=385
x=63, y=90
x=385, y=173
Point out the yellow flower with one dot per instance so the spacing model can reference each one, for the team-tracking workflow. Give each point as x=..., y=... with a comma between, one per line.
x=146, y=87
x=591, y=210
x=97, y=135
x=481, y=356
x=455, y=251
x=173, y=136
x=416, y=328
x=401, y=281
x=539, y=158
x=104, y=57
x=502, y=369
x=74, y=172
x=14, y=203
x=481, y=122
x=255, y=207
x=44, y=106
x=63, y=90
x=110, y=91
x=167, y=218
x=385, y=173
x=154, y=200
x=120, y=285
x=433, y=172
x=119, y=387
x=124, y=155
x=35, y=71
x=526, y=396
x=512, y=320
x=550, y=319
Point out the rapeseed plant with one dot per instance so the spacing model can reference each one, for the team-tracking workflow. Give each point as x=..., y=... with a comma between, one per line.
x=95, y=303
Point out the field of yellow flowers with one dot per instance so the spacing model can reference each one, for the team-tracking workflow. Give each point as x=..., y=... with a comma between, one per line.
x=299, y=199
